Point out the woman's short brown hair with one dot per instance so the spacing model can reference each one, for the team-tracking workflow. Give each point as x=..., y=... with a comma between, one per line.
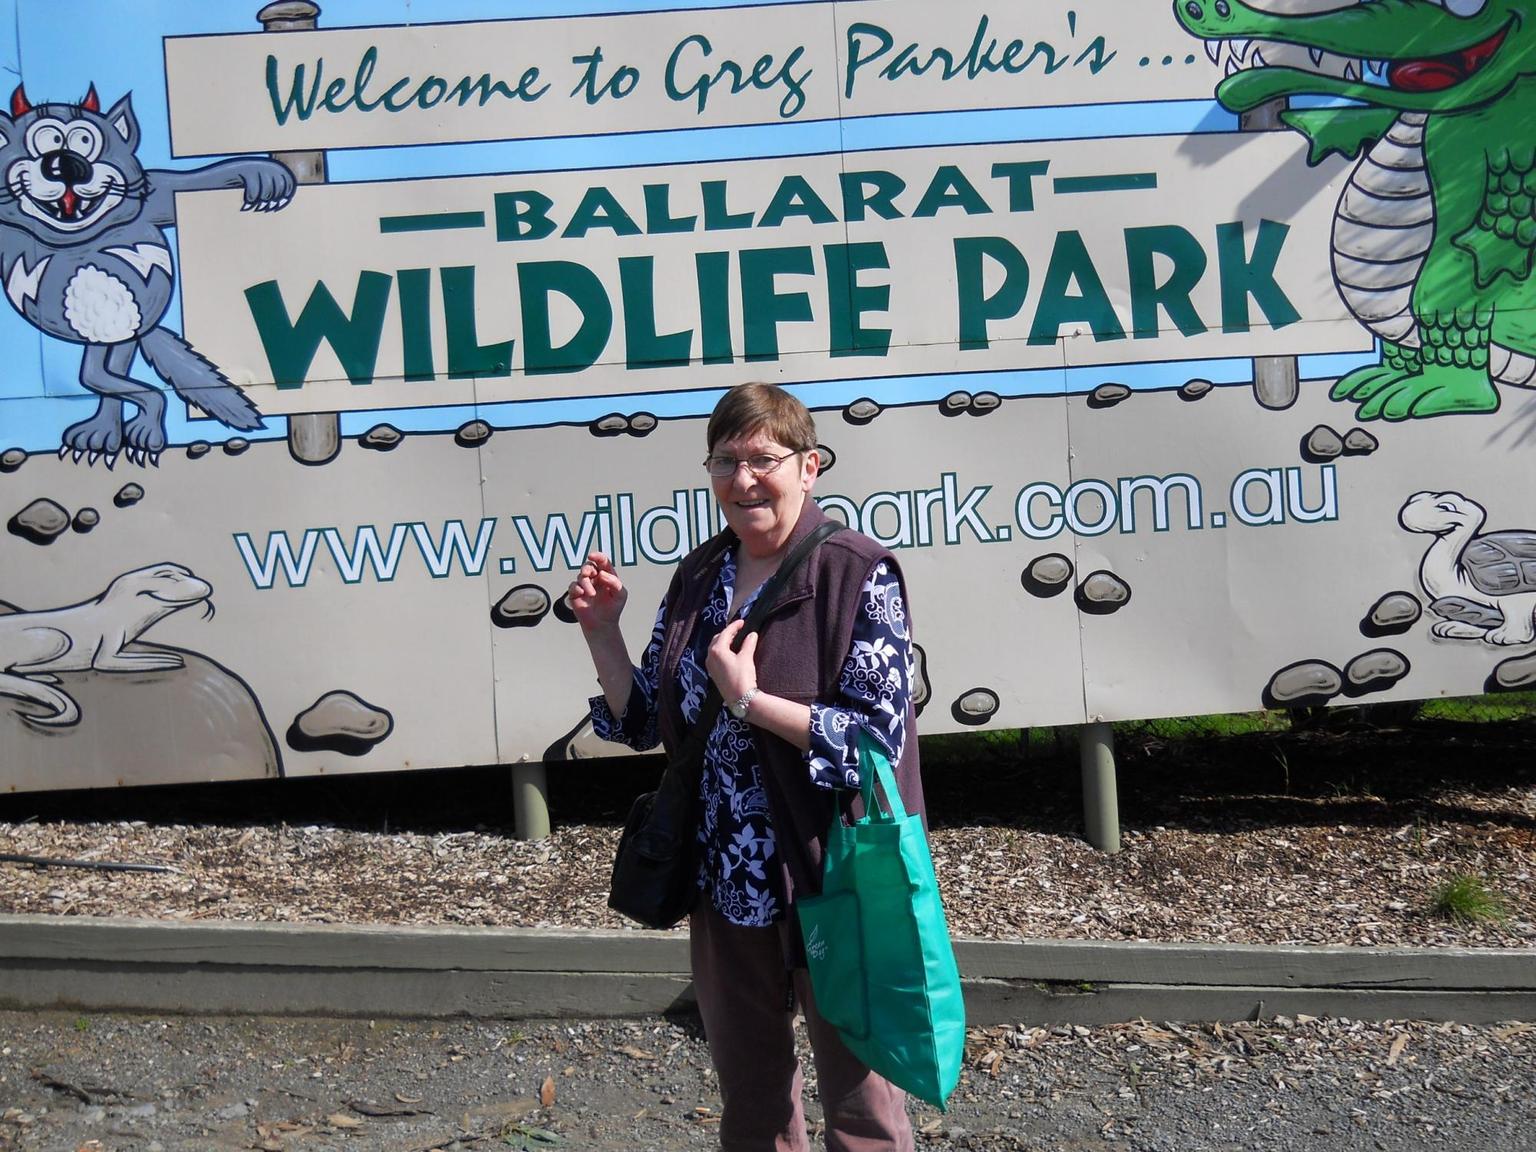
x=765, y=408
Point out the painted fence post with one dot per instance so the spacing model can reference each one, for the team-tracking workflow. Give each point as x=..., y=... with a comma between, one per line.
x=313, y=437
x=1276, y=379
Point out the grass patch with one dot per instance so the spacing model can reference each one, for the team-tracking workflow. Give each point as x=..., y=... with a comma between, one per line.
x=992, y=746
x=1215, y=724
x=1014, y=745
x=1494, y=706
x=1466, y=900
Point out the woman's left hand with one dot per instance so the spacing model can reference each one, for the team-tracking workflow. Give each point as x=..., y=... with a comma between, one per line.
x=734, y=672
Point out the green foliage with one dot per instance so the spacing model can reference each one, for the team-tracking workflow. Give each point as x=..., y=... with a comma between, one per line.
x=1467, y=900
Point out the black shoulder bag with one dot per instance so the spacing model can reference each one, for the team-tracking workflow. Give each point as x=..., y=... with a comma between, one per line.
x=655, y=873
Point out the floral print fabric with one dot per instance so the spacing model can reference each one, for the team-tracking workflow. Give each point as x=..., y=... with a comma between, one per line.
x=739, y=866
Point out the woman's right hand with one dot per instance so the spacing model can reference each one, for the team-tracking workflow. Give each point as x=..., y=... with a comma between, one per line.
x=597, y=595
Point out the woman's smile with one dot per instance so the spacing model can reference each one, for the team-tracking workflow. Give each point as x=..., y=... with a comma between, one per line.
x=762, y=510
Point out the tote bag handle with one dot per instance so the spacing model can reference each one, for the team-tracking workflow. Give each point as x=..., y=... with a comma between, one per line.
x=875, y=764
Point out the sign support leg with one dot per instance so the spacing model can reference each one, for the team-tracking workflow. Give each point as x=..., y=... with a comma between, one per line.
x=530, y=801
x=1101, y=802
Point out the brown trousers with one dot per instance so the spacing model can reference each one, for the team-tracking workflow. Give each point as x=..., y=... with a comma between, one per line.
x=743, y=990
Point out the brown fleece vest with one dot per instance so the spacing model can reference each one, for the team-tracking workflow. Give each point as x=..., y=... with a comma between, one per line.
x=801, y=648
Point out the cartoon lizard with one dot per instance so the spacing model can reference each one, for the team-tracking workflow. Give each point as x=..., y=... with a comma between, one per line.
x=1434, y=233
x=94, y=634
x=84, y=258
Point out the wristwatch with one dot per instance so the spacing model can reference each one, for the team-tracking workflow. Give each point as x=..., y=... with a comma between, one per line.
x=739, y=708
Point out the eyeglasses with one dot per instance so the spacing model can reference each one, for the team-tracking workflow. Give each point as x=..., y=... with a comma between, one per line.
x=760, y=465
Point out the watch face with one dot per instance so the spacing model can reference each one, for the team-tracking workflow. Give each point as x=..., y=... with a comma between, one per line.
x=738, y=710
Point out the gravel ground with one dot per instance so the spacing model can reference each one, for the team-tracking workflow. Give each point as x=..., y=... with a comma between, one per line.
x=135, y=1084
x=1306, y=837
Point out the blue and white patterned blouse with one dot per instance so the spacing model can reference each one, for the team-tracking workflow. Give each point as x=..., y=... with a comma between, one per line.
x=739, y=865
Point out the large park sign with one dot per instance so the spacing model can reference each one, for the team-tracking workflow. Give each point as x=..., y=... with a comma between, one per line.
x=1175, y=387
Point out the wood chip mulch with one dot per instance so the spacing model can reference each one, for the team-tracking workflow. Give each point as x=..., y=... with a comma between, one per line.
x=1203, y=859
x=1293, y=884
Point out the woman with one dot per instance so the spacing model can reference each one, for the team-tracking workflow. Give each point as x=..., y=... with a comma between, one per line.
x=832, y=658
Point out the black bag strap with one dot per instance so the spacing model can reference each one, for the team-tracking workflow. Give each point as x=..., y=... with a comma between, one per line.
x=691, y=755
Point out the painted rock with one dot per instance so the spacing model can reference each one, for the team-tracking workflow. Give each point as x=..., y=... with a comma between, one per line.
x=975, y=707
x=1394, y=613
x=522, y=607
x=1047, y=575
x=41, y=521
x=339, y=721
x=1101, y=593
x=1303, y=684
x=1374, y=671
x=381, y=438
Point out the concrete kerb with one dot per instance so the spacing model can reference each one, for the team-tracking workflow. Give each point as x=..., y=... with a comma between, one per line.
x=240, y=968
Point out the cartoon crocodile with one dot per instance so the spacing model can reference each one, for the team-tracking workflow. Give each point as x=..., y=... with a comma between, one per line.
x=1434, y=233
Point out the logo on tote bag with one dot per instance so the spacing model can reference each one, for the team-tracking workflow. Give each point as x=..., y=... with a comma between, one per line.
x=815, y=946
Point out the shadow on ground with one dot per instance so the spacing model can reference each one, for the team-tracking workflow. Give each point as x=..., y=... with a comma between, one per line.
x=1333, y=769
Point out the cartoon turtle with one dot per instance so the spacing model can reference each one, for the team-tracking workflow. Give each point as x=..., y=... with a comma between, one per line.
x=1484, y=586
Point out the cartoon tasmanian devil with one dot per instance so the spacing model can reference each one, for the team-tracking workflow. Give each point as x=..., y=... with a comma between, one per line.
x=83, y=258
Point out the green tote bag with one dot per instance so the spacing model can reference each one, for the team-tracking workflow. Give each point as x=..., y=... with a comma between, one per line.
x=881, y=964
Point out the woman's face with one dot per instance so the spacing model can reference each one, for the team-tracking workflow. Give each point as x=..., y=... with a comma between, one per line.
x=762, y=510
